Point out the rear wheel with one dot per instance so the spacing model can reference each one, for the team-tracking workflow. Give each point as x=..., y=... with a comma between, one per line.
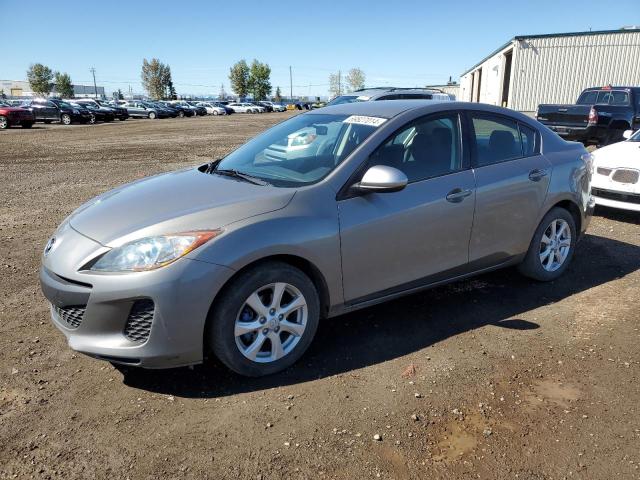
x=181, y=114
x=215, y=112
x=65, y=118
x=552, y=247
x=264, y=320
x=92, y=119
x=4, y=122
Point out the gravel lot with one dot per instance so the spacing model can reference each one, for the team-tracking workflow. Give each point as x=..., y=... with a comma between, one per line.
x=495, y=377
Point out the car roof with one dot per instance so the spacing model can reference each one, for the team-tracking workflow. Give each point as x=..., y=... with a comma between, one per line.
x=385, y=109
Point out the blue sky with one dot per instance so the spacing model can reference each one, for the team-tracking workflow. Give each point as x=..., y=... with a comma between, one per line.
x=402, y=43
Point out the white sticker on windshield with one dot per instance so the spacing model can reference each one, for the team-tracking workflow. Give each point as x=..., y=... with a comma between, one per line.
x=363, y=98
x=364, y=120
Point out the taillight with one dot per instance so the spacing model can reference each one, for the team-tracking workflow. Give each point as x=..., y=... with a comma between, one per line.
x=593, y=116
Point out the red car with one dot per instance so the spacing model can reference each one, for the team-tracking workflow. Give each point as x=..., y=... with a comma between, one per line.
x=15, y=116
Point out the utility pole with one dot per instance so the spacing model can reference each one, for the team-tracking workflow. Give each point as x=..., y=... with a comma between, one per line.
x=290, y=85
x=95, y=88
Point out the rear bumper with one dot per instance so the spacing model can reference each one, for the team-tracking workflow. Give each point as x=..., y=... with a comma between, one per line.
x=588, y=134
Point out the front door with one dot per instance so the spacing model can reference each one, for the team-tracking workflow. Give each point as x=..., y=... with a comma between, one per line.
x=512, y=179
x=395, y=241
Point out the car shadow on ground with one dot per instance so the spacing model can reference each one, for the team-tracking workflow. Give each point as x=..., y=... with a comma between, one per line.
x=618, y=215
x=409, y=324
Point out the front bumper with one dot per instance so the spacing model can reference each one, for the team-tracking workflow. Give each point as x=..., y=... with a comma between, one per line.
x=616, y=199
x=103, y=305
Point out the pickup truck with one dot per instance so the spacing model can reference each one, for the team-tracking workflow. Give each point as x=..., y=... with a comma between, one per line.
x=600, y=116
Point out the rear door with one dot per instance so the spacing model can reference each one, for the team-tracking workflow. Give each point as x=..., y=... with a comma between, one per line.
x=512, y=179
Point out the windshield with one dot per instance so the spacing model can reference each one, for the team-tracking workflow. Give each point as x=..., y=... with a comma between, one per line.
x=635, y=137
x=302, y=150
x=346, y=99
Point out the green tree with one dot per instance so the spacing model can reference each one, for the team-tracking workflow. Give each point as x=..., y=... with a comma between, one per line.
x=355, y=79
x=155, y=76
x=278, y=95
x=64, y=87
x=259, y=83
x=40, y=79
x=239, y=78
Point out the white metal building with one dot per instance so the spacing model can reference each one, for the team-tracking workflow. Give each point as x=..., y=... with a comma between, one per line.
x=21, y=88
x=533, y=69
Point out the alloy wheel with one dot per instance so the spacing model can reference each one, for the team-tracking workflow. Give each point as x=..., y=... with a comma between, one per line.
x=271, y=322
x=66, y=119
x=4, y=123
x=555, y=245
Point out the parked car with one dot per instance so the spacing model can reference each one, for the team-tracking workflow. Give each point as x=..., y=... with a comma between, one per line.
x=181, y=110
x=119, y=112
x=100, y=114
x=224, y=105
x=600, y=116
x=163, y=110
x=266, y=105
x=391, y=93
x=616, y=179
x=242, y=257
x=84, y=111
x=211, y=108
x=138, y=109
x=10, y=115
x=50, y=110
x=278, y=107
x=187, y=105
x=199, y=110
x=244, y=107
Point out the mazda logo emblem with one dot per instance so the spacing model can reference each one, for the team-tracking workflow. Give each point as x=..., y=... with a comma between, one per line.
x=49, y=245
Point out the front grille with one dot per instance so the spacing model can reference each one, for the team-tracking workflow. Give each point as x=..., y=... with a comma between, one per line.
x=620, y=197
x=139, y=322
x=71, y=315
x=626, y=176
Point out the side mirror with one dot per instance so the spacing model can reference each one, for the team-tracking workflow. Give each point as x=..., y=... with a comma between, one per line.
x=382, y=179
x=627, y=134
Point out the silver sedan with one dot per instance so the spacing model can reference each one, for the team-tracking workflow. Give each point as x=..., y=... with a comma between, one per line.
x=242, y=257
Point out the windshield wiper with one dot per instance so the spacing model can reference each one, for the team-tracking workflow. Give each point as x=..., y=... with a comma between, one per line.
x=229, y=172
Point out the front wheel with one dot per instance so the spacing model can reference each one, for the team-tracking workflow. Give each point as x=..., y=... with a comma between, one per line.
x=152, y=115
x=215, y=112
x=552, y=247
x=65, y=118
x=264, y=320
x=23, y=124
x=4, y=123
x=181, y=114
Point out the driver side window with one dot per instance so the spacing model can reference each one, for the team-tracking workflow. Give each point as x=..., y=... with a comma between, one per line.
x=426, y=148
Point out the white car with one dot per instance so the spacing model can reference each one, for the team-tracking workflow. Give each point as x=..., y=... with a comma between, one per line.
x=244, y=107
x=212, y=109
x=277, y=107
x=616, y=179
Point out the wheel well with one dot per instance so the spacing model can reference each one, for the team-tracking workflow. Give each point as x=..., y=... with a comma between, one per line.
x=620, y=125
x=302, y=264
x=573, y=209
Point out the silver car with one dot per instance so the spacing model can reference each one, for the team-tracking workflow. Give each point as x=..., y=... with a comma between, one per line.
x=243, y=256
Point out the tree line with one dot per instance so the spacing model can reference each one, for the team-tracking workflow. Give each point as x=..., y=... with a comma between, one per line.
x=43, y=80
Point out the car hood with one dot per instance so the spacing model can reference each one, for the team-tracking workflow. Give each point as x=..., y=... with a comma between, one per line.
x=621, y=154
x=171, y=203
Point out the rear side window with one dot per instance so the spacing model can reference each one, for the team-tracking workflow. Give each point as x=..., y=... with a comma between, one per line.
x=529, y=140
x=619, y=98
x=497, y=139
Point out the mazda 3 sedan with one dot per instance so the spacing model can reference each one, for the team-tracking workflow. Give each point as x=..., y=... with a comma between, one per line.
x=242, y=257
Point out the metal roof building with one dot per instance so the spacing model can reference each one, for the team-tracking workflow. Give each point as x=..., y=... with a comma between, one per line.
x=21, y=88
x=555, y=68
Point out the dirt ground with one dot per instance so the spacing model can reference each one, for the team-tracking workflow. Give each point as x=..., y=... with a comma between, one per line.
x=496, y=377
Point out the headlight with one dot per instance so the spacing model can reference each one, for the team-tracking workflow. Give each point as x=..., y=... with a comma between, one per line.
x=304, y=139
x=151, y=252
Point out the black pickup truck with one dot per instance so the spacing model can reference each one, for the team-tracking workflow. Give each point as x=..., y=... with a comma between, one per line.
x=600, y=116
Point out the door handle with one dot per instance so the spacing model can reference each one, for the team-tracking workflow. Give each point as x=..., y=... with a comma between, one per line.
x=457, y=195
x=537, y=174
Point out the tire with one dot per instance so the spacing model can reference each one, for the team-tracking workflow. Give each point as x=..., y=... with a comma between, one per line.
x=215, y=113
x=65, y=119
x=4, y=122
x=181, y=114
x=92, y=119
x=231, y=308
x=533, y=265
x=613, y=136
x=24, y=125
x=152, y=115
